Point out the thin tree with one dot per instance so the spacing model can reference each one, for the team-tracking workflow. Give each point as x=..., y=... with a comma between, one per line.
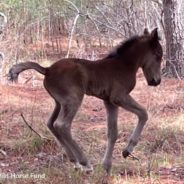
x=174, y=35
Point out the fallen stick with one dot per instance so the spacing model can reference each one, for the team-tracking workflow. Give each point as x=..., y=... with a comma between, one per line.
x=29, y=126
x=3, y=152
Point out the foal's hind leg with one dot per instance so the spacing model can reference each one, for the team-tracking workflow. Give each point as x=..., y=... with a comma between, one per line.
x=112, y=133
x=63, y=128
x=131, y=105
x=50, y=123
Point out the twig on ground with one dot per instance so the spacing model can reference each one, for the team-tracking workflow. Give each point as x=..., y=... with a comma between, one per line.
x=42, y=137
x=28, y=80
x=3, y=152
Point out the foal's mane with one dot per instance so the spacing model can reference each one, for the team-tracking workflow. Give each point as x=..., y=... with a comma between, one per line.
x=119, y=50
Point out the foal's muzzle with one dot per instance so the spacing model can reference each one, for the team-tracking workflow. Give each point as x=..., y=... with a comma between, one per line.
x=154, y=82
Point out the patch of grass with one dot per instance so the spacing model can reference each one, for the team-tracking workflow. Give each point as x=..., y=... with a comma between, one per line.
x=161, y=144
x=64, y=175
x=29, y=145
x=35, y=144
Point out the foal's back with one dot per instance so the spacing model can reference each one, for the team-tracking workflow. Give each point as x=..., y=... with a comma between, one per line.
x=96, y=78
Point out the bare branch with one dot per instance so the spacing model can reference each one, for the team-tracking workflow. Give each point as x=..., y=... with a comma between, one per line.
x=103, y=15
x=4, y=17
x=159, y=2
x=1, y=56
x=71, y=35
x=73, y=27
x=3, y=23
x=97, y=28
x=106, y=25
x=31, y=127
x=3, y=153
x=175, y=70
x=73, y=5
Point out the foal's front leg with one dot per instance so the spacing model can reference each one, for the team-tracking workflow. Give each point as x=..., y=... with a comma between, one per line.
x=112, y=133
x=131, y=105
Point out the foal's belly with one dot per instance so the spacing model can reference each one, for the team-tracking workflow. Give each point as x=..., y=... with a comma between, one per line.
x=98, y=90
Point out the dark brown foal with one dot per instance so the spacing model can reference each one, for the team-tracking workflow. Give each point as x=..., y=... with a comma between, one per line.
x=110, y=79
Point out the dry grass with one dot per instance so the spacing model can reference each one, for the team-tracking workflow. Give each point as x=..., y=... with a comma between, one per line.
x=160, y=150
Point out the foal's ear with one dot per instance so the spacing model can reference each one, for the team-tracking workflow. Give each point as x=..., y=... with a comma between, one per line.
x=146, y=32
x=154, y=35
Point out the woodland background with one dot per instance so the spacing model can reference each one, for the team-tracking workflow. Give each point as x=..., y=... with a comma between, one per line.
x=47, y=30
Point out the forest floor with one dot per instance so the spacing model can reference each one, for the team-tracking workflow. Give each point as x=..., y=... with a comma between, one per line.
x=26, y=158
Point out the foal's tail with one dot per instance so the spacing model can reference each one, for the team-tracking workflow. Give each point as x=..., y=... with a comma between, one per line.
x=18, y=68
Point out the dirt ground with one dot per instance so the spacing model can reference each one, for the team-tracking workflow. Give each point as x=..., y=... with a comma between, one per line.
x=160, y=149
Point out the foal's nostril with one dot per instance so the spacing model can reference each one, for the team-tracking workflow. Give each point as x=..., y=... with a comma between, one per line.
x=154, y=82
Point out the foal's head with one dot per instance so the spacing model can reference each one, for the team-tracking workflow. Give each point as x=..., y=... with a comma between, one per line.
x=151, y=62
x=142, y=51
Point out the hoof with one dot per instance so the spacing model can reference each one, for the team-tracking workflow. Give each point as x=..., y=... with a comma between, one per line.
x=107, y=167
x=125, y=153
x=77, y=166
x=87, y=169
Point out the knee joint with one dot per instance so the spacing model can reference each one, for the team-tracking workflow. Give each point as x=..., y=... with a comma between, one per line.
x=59, y=126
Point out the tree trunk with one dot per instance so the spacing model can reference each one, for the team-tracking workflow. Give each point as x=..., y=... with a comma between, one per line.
x=174, y=35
